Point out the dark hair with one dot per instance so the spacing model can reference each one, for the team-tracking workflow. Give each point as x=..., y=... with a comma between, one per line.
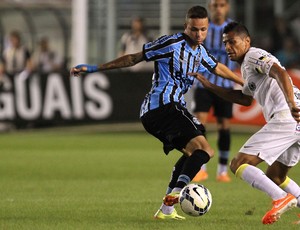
x=196, y=12
x=236, y=27
x=15, y=34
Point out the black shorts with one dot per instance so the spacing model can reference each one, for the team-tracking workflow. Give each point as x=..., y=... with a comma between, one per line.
x=173, y=125
x=204, y=100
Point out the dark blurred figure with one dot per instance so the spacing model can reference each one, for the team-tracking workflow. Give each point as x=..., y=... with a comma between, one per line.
x=289, y=54
x=16, y=58
x=280, y=31
x=133, y=40
x=45, y=59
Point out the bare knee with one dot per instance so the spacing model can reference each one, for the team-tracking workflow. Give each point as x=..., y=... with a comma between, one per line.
x=196, y=143
x=241, y=159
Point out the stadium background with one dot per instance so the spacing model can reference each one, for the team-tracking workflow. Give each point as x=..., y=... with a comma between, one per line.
x=88, y=31
x=94, y=167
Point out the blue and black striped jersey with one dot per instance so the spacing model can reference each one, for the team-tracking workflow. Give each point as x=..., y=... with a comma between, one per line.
x=173, y=59
x=214, y=43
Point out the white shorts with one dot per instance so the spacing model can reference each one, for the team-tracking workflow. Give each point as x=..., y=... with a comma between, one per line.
x=278, y=140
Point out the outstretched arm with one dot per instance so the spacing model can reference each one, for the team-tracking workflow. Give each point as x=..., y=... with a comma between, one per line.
x=223, y=71
x=234, y=96
x=121, y=62
x=285, y=83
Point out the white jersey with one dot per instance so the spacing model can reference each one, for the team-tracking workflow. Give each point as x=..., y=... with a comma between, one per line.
x=258, y=84
x=279, y=139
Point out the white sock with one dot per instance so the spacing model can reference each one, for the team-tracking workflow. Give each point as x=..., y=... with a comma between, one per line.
x=290, y=186
x=203, y=167
x=257, y=179
x=166, y=209
x=221, y=169
x=176, y=189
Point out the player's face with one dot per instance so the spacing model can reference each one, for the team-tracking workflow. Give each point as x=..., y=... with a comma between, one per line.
x=196, y=29
x=236, y=45
x=219, y=10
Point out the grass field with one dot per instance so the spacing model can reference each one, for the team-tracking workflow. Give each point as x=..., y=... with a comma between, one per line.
x=85, y=179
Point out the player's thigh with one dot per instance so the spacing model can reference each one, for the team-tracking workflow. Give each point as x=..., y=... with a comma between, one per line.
x=203, y=100
x=182, y=127
x=271, y=141
x=202, y=117
x=222, y=108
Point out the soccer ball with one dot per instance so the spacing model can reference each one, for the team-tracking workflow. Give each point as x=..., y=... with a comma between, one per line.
x=195, y=199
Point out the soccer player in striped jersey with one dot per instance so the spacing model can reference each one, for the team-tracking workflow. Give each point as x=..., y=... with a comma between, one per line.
x=278, y=142
x=163, y=112
x=205, y=100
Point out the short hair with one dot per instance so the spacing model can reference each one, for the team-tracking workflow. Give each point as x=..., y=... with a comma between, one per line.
x=227, y=1
x=196, y=12
x=15, y=34
x=236, y=27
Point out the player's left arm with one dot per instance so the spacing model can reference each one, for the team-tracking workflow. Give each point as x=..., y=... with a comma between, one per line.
x=121, y=62
x=223, y=71
x=284, y=81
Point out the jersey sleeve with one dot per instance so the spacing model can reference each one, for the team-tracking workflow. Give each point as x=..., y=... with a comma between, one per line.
x=208, y=61
x=158, y=49
x=260, y=61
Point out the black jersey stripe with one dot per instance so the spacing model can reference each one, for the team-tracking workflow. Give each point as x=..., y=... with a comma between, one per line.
x=160, y=46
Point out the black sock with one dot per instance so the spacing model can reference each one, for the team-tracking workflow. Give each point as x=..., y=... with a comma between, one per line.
x=176, y=172
x=224, y=140
x=191, y=167
x=224, y=146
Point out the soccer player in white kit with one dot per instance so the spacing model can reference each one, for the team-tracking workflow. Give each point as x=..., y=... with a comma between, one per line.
x=278, y=142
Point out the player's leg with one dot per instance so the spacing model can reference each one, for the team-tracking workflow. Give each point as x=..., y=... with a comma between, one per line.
x=187, y=136
x=223, y=144
x=223, y=113
x=203, y=103
x=277, y=172
x=199, y=152
x=164, y=209
x=153, y=123
x=243, y=166
x=175, y=127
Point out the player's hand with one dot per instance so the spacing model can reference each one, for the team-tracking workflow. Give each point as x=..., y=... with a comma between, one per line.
x=83, y=68
x=295, y=111
x=200, y=78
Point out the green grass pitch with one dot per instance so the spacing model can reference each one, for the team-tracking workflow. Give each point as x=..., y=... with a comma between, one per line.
x=85, y=179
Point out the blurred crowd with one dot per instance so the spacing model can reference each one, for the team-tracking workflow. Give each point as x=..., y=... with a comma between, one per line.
x=284, y=41
x=16, y=57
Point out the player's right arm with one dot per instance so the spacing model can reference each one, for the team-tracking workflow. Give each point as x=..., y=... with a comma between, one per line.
x=284, y=81
x=234, y=96
x=121, y=62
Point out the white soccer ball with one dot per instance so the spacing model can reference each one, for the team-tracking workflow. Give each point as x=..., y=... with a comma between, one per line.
x=195, y=199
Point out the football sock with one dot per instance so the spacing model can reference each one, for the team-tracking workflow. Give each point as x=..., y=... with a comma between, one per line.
x=222, y=168
x=203, y=167
x=176, y=172
x=224, y=140
x=191, y=167
x=223, y=146
x=257, y=179
x=290, y=186
x=166, y=209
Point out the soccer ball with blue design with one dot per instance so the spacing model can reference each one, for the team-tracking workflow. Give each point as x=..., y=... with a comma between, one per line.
x=195, y=199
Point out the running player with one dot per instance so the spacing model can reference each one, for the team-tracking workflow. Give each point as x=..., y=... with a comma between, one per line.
x=277, y=143
x=205, y=100
x=163, y=112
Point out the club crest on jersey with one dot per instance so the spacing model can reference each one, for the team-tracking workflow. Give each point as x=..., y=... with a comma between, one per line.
x=196, y=121
x=252, y=86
